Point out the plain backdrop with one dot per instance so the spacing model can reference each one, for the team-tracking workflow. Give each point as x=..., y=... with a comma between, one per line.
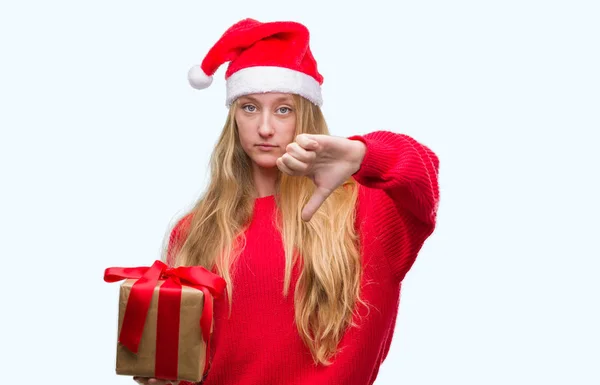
x=104, y=144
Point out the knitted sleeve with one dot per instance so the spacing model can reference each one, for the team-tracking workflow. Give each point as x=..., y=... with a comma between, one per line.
x=176, y=238
x=403, y=204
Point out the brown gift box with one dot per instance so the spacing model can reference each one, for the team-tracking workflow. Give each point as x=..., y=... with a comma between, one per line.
x=192, y=349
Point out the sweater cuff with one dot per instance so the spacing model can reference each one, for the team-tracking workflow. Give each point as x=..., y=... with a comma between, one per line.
x=375, y=161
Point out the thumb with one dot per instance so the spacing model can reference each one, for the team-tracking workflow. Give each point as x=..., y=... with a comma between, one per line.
x=315, y=201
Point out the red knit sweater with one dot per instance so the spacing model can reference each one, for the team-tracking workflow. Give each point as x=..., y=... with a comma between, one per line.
x=396, y=211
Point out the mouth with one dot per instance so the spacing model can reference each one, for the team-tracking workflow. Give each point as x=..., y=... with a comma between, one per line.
x=266, y=147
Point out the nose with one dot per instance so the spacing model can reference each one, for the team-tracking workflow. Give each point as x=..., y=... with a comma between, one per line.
x=265, y=125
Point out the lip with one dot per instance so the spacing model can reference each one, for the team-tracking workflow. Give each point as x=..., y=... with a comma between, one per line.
x=265, y=148
x=266, y=145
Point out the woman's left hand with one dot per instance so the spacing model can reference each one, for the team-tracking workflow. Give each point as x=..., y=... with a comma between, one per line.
x=153, y=381
x=327, y=160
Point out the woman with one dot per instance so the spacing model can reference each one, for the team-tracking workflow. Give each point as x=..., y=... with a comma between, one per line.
x=313, y=233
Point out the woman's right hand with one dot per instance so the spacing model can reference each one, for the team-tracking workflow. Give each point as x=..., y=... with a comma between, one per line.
x=153, y=381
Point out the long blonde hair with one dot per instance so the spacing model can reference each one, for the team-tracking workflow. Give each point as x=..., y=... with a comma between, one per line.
x=327, y=247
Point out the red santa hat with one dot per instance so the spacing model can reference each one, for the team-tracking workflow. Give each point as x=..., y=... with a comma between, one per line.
x=263, y=57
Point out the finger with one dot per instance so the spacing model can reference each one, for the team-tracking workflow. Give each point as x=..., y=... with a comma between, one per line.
x=306, y=156
x=156, y=381
x=315, y=201
x=281, y=166
x=307, y=142
x=294, y=165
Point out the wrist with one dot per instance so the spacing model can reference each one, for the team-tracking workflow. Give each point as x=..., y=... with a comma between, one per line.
x=359, y=152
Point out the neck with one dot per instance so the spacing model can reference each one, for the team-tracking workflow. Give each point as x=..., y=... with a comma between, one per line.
x=265, y=180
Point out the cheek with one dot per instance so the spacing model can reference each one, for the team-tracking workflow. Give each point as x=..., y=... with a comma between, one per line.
x=243, y=132
x=290, y=130
x=247, y=143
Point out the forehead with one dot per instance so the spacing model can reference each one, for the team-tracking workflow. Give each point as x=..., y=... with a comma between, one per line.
x=268, y=98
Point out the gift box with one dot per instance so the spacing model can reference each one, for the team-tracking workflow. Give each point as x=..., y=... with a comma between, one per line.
x=165, y=320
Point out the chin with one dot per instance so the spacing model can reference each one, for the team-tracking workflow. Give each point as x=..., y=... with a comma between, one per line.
x=266, y=163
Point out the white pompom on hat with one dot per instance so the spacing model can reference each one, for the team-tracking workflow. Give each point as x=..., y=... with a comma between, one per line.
x=198, y=79
x=263, y=57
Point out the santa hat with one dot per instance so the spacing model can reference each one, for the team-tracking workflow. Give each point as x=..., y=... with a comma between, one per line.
x=263, y=57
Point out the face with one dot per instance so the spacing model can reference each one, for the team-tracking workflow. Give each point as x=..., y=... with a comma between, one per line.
x=266, y=124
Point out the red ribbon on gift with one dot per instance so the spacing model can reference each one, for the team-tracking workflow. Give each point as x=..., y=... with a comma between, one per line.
x=169, y=303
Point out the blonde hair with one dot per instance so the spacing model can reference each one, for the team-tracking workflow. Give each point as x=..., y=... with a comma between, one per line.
x=326, y=247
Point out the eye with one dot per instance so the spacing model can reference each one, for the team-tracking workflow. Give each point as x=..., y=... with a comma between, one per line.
x=284, y=110
x=249, y=108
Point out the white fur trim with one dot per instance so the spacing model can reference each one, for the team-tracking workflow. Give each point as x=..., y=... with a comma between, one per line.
x=263, y=79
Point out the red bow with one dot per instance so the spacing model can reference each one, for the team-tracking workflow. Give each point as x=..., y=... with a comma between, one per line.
x=169, y=300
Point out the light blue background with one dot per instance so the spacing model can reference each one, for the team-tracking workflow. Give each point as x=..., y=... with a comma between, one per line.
x=103, y=144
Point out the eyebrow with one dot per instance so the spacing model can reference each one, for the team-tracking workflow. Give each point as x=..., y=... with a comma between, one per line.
x=280, y=99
